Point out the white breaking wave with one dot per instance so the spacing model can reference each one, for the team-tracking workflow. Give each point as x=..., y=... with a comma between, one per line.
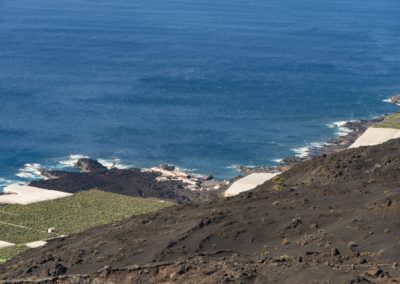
x=233, y=167
x=304, y=152
x=71, y=161
x=341, y=129
x=5, y=182
x=301, y=152
x=278, y=161
x=237, y=167
x=113, y=163
x=390, y=102
x=30, y=171
x=186, y=170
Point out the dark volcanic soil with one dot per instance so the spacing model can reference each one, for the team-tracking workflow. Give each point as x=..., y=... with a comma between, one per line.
x=335, y=220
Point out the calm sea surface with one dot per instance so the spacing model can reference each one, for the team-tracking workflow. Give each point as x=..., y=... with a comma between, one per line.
x=200, y=84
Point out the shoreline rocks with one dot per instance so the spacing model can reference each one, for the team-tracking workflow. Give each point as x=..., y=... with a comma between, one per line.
x=395, y=99
x=197, y=182
x=90, y=166
x=164, y=182
x=356, y=129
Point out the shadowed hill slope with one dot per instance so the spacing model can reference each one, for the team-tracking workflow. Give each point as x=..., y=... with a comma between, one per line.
x=334, y=219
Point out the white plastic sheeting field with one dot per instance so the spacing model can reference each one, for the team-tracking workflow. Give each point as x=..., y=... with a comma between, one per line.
x=23, y=194
x=248, y=182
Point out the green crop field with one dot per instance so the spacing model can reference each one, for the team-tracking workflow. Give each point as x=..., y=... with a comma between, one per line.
x=10, y=252
x=391, y=121
x=21, y=224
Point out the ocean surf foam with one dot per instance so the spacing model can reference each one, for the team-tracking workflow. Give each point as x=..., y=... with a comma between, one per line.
x=71, y=161
x=304, y=152
x=113, y=163
x=30, y=171
x=390, y=102
x=340, y=126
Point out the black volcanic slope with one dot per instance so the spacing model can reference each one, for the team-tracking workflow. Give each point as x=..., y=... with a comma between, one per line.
x=335, y=220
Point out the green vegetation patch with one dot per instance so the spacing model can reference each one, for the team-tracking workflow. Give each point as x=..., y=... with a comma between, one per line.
x=278, y=182
x=20, y=235
x=390, y=121
x=10, y=252
x=21, y=224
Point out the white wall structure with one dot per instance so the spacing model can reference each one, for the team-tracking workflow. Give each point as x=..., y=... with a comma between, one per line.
x=248, y=182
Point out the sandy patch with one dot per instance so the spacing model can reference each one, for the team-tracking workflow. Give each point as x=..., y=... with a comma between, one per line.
x=23, y=194
x=374, y=136
x=249, y=182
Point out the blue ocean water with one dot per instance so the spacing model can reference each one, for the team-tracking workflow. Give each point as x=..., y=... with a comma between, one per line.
x=200, y=84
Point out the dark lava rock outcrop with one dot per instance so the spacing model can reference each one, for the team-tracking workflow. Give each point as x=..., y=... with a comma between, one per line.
x=334, y=219
x=132, y=182
x=90, y=166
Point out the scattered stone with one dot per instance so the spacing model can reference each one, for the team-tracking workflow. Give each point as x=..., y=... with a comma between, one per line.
x=285, y=242
x=276, y=203
x=335, y=252
x=352, y=245
x=377, y=166
x=374, y=271
x=209, y=177
x=58, y=270
x=166, y=167
x=362, y=261
x=360, y=280
x=105, y=271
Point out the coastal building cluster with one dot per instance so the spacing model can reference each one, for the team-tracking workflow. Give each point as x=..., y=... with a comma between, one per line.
x=191, y=181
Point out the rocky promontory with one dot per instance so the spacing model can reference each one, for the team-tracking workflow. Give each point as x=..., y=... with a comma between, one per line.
x=167, y=183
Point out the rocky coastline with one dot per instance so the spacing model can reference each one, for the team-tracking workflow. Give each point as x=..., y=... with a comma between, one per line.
x=355, y=129
x=164, y=182
x=169, y=182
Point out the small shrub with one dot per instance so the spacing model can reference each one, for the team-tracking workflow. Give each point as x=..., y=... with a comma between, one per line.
x=278, y=183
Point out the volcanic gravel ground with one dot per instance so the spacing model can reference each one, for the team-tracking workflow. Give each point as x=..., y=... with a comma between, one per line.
x=335, y=219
